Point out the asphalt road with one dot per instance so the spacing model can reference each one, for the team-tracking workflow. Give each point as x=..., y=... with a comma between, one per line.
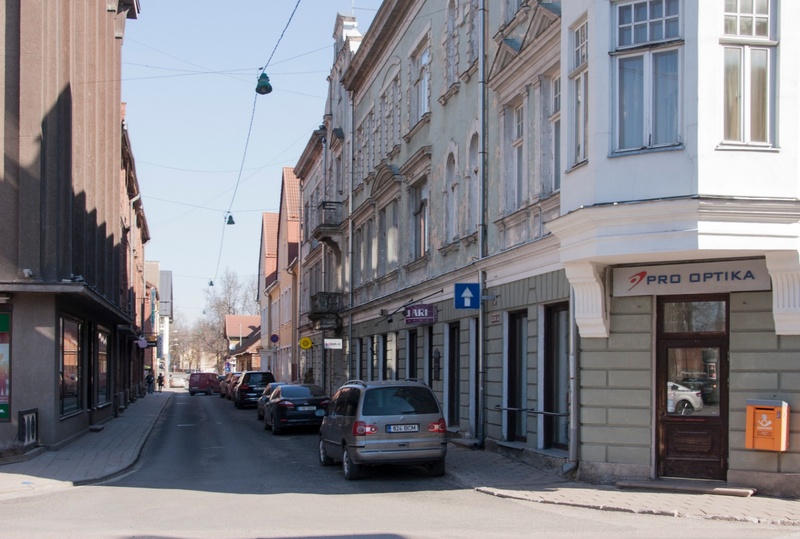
x=210, y=470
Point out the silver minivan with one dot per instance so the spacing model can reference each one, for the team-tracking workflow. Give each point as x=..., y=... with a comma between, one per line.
x=383, y=422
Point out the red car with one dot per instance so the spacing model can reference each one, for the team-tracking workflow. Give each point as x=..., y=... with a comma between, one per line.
x=202, y=382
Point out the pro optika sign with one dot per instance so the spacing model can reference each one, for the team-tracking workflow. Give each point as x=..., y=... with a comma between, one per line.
x=701, y=278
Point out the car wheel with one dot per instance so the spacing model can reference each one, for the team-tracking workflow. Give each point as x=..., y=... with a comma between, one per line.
x=351, y=469
x=266, y=423
x=324, y=459
x=191, y=393
x=208, y=392
x=684, y=408
x=436, y=468
x=259, y=414
x=237, y=403
x=275, y=428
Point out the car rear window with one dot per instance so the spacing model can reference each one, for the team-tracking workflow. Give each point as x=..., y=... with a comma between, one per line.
x=292, y=392
x=399, y=400
x=260, y=377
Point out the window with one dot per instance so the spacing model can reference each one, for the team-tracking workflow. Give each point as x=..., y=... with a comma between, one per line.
x=421, y=79
x=516, y=190
x=647, y=112
x=473, y=174
x=451, y=46
x=511, y=7
x=555, y=132
x=103, y=381
x=70, y=366
x=5, y=365
x=474, y=31
x=452, y=200
x=419, y=225
x=580, y=92
x=749, y=82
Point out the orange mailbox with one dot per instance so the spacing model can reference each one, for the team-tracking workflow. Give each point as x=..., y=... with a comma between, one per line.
x=767, y=425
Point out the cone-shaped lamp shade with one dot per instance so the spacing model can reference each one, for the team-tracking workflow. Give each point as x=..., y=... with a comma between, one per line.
x=263, y=86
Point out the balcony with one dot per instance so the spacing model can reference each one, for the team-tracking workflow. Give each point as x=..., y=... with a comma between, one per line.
x=325, y=308
x=326, y=223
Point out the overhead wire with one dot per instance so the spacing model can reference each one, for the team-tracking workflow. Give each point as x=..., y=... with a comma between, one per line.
x=247, y=142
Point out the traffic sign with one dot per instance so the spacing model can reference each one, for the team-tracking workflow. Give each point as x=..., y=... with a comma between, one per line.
x=467, y=295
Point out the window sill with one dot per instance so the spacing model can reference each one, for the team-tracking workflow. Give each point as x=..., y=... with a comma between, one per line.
x=418, y=263
x=448, y=248
x=652, y=149
x=576, y=166
x=744, y=147
x=425, y=120
x=451, y=91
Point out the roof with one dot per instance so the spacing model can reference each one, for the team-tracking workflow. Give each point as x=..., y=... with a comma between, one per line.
x=241, y=326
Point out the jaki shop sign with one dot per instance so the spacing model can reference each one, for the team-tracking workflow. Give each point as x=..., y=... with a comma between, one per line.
x=703, y=278
x=422, y=313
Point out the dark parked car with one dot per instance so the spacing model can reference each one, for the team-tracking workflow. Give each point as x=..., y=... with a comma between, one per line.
x=383, y=422
x=295, y=405
x=226, y=385
x=249, y=387
x=261, y=403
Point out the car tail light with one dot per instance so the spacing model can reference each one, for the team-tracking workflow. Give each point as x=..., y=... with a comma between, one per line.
x=244, y=387
x=286, y=404
x=325, y=403
x=360, y=428
x=439, y=426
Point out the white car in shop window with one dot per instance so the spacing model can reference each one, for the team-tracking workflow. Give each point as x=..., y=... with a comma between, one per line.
x=683, y=401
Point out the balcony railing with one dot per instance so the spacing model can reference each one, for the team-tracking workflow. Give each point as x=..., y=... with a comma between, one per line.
x=328, y=214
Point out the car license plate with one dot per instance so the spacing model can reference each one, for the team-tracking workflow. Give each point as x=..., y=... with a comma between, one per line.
x=402, y=428
x=306, y=408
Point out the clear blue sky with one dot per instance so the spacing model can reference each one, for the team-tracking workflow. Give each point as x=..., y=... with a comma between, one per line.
x=189, y=73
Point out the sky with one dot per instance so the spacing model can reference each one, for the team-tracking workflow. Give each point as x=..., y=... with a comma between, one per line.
x=204, y=142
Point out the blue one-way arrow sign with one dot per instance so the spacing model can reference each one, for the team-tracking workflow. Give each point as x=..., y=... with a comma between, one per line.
x=467, y=295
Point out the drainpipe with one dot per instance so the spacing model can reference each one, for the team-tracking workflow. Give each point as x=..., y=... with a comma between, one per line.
x=572, y=464
x=349, y=258
x=480, y=417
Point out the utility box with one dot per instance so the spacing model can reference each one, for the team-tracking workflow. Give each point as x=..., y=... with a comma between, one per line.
x=767, y=425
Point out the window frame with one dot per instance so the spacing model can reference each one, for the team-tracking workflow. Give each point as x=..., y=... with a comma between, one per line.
x=746, y=45
x=579, y=76
x=420, y=82
x=651, y=38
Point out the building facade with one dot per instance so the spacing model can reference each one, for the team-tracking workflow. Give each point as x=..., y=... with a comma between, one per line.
x=594, y=273
x=74, y=229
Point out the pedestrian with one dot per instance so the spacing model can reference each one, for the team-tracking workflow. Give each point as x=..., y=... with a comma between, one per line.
x=149, y=380
x=160, y=381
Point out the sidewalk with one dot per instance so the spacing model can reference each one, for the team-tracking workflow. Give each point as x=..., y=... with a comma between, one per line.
x=101, y=455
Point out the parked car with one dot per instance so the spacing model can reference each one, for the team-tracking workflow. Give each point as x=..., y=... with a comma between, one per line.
x=177, y=380
x=383, y=422
x=683, y=401
x=226, y=385
x=201, y=382
x=220, y=378
x=294, y=405
x=708, y=388
x=264, y=398
x=249, y=387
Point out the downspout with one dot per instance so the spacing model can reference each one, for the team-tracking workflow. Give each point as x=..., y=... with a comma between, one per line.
x=325, y=257
x=572, y=464
x=349, y=257
x=480, y=417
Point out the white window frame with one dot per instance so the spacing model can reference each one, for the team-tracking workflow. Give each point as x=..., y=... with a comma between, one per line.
x=579, y=77
x=747, y=35
x=647, y=33
x=420, y=219
x=421, y=82
x=555, y=133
